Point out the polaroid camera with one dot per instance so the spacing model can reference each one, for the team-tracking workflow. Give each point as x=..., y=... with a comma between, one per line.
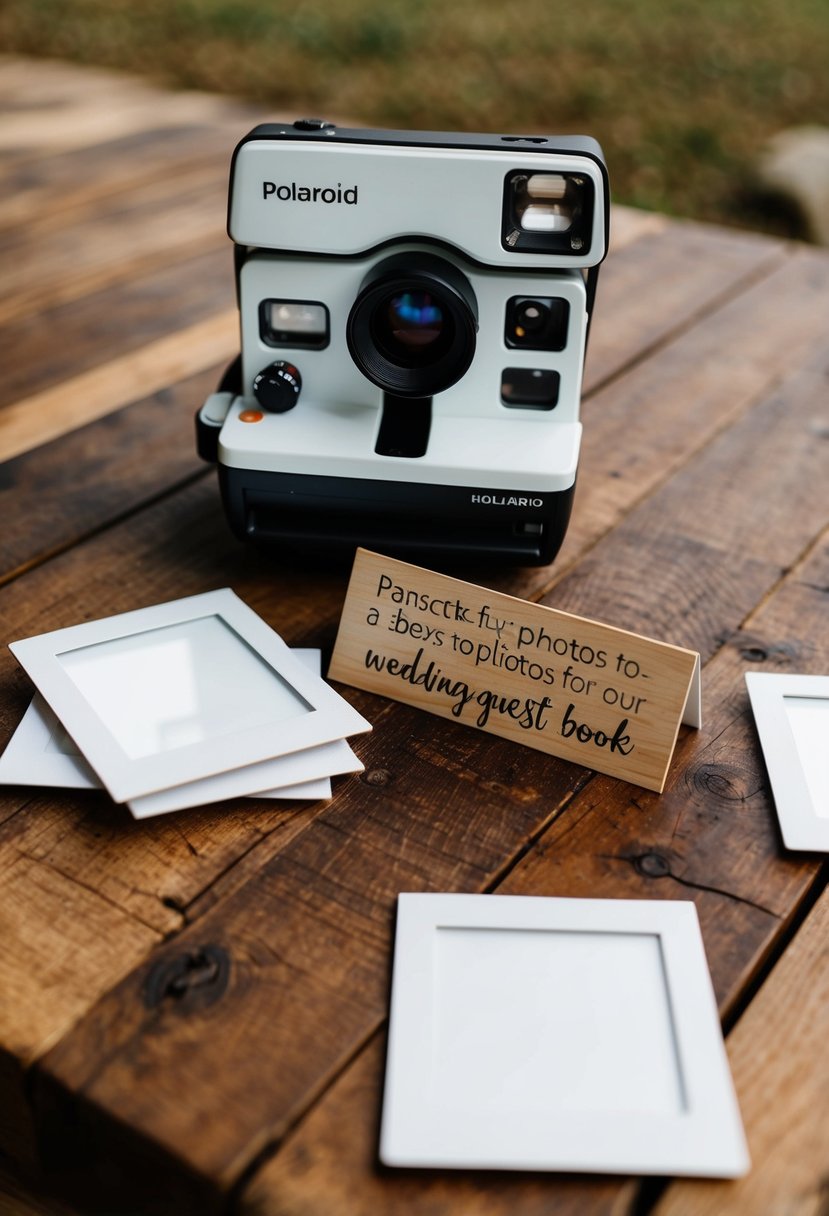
x=414, y=309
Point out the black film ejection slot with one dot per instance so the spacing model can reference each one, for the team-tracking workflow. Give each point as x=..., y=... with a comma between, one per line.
x=404, y=426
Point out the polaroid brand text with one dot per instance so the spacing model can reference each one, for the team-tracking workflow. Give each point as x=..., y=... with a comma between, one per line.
x=292, y=193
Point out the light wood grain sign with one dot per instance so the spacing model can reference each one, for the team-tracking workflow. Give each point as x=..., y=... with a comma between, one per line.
x=603, y=697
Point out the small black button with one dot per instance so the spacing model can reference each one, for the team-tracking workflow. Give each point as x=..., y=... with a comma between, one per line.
x=313, y=124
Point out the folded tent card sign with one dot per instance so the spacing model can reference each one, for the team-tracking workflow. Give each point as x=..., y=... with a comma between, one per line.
x=604, y=697
x=190, y=701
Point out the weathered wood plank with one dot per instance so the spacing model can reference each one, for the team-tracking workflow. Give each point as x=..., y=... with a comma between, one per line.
x=67, y=406
x=629, y=224
x=66, y=186
x=85, y=480
x=54, y=107
x=651, y=290
x=103, y=326
x=781, y=1072
x=466, y=806
x=154, y=224
x=313, y=942
x=713, y=533
x=63, y=945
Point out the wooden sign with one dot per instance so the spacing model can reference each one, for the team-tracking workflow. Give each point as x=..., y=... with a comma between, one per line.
x=603, y=697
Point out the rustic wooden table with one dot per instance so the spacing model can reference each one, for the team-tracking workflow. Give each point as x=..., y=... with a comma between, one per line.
x=700, y=518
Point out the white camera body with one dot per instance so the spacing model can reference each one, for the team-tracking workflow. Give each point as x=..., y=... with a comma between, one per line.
x=414, y=311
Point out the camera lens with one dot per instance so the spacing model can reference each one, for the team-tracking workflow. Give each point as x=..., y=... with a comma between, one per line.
x=412, y=322
x=412, y=328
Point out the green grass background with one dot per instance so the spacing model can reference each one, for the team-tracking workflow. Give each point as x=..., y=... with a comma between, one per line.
x=681, y=93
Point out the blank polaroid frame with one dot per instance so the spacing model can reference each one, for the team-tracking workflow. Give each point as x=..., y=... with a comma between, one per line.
x=792, y=717
x=537, y=1033
x=180, y=691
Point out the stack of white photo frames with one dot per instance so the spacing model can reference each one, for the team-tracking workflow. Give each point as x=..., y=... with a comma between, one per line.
x=178, y=705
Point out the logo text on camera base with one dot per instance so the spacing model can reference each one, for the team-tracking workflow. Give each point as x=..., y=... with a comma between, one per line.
x=290, y=192
x=506, y=500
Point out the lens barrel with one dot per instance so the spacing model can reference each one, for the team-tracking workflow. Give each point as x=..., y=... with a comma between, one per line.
x=412, y=328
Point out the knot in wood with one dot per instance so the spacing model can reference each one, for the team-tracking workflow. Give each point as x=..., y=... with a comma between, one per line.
x=761, y=650
x=377, y=776
x=719, y=781
x=652, y=865
x=198, y=977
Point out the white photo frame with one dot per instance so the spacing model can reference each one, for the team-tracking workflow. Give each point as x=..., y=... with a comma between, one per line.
x=216, y=688
x=791, y=713
x=40, y=752
x=539, y=1033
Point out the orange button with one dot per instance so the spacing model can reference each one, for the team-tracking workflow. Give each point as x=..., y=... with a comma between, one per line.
x=251, y=416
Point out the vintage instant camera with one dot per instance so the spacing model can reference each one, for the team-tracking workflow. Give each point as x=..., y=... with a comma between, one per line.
x=414, y=310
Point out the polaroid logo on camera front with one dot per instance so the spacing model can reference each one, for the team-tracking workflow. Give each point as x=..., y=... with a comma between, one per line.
x=506, y=500
x=292, y=193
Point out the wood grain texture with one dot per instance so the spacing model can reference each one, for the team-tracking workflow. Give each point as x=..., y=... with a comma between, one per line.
x=67, y=490
x=781, y=1072
x=690, y=269
x=104, y=325
x=54, y=107
x=156, y=222
x=106, y=388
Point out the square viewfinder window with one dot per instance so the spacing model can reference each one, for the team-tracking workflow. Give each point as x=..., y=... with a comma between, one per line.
x=303, y=323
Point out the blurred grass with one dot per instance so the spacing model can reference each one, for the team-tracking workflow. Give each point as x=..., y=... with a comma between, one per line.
x=681, y=93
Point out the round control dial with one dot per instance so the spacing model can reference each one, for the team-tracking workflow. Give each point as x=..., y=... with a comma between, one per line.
x=277, y=387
